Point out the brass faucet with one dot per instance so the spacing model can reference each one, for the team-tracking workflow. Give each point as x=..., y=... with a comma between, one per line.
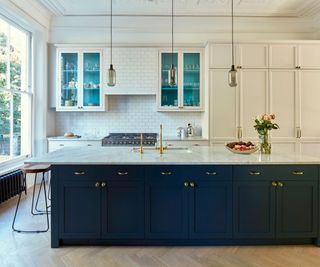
x=161, y=148
x=141, y=144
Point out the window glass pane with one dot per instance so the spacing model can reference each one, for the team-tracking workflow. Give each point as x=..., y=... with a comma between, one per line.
x=16, y=145
x=4, y=126
x=3, y=53
x=18, y=53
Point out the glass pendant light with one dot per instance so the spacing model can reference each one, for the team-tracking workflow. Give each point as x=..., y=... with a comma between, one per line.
x=232, y=72
x=111, y=70
x=173, y=71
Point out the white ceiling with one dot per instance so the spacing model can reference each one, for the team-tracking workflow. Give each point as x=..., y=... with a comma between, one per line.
x=270, y=8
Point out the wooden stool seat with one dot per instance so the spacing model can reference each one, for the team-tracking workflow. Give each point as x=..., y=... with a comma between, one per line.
x=37, y=168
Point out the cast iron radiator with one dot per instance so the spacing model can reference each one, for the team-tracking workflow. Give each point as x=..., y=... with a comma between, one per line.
x=11, y=184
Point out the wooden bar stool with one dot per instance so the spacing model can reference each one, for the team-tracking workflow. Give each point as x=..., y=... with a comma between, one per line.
x=34, y=169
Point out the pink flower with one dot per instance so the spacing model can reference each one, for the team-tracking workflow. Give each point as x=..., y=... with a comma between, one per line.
x=267, y=117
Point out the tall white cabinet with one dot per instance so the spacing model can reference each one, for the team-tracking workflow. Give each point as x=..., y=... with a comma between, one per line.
x=279, y=78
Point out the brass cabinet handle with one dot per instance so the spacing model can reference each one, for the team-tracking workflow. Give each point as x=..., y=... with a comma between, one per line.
x=123, y=173
x=79, y=173
x=255, y=173
x=61, y=144
x=297, y=173
x=89, y=145
x=97, y=184
x=274, y=184
x=166, y=173
x=103, y=184
x=211, y=173
x=192, y=184
x=239, y=132
x=280, y=184
x=186, y=184
x=299, y=132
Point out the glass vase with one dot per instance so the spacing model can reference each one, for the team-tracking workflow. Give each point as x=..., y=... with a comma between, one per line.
x=265, y=146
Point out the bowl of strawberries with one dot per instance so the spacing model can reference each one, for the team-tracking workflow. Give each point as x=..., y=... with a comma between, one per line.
x=241, y=147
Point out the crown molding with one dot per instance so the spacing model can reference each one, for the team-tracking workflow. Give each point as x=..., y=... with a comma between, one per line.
x=54, y=6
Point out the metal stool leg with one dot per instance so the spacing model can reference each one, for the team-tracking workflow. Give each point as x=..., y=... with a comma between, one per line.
x=36, y=206
x=15, y=215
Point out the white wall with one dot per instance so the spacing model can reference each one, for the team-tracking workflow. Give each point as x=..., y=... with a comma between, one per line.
x=126, y=114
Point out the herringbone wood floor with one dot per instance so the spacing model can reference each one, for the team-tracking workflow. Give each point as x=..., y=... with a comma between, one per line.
x=33, y=250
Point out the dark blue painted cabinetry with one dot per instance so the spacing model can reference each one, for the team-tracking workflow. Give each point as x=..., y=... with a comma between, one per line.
x=193, y=203
x=275, y=202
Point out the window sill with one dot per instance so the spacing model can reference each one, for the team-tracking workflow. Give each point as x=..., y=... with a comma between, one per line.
x=11, y=165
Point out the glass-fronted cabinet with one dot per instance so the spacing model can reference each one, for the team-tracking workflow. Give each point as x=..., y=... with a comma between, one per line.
x=79, y=81
x=187, y=93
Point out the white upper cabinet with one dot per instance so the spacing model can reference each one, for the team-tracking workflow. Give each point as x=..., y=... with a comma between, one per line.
x=309, y=109
x=136, y=71
x=220, y=56
x=283, y=92
x=283, y=56
x=253, y=85
x=247, y=56
x=252, y=56
x=309, y=56
x=223, y=106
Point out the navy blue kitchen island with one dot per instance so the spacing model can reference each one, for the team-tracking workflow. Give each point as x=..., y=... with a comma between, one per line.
x=184, y=204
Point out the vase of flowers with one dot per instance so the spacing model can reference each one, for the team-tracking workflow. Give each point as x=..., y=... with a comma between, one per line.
x=264, y=124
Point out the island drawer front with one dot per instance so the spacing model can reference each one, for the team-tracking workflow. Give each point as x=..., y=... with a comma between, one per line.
x=164, y=172
x=122, y=172
x=209, y=172
x=78, y=172
x=272, y=172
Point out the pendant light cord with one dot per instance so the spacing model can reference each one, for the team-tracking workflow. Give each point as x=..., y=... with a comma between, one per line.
x=172, y=32
x=111, y=30
x=232, y=32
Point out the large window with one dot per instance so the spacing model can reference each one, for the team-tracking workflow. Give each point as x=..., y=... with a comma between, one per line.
x=15, y=92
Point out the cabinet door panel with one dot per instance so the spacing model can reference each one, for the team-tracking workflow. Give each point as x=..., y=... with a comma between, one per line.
x=166, y=215
x=123, y=209
x=310, y=56
x=223, y=106
x=254, y=209
x=80, y=210
x=283, y=97
x=310, y=108
x=252, y=56
x=283, y=56
x=210, y=206
x=253, y=94
x=220, y=56
x=297, y=209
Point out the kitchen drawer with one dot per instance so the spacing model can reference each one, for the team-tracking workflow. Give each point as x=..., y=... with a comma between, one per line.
x=165, y=172
x=209, y=172
x=279, y=172
x=56, y=144
x=122, y=172
x=79, y=172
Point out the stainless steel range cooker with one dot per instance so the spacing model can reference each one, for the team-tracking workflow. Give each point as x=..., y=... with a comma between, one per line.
x=129, y=139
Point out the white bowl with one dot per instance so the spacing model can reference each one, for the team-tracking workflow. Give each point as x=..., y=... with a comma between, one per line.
x=243, y=151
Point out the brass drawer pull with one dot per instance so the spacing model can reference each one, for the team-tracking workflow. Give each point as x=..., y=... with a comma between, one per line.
x=211, y=173
x=297, y=173
x=166, y=173
x=123, y=173
x=61, y=144
x=255, y=173
x=79, y=173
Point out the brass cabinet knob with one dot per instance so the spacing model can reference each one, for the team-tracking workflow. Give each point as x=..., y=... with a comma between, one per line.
x=274, y=184
x=123, y=173
x=103, y=184
x=280, y=184
x=186, y=184
x=297, y=173
x=211, y=173
x=97, y=184
x=192, y=184
x=254, y=173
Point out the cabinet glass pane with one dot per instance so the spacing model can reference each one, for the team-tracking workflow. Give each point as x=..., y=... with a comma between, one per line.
x=191, y=79
x=169, y=95
x=69, y=79
x=91, y=79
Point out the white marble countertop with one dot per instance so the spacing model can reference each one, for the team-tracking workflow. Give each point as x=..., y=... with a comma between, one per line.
x=82, y=138
x=193, y=138
x=192, y=155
